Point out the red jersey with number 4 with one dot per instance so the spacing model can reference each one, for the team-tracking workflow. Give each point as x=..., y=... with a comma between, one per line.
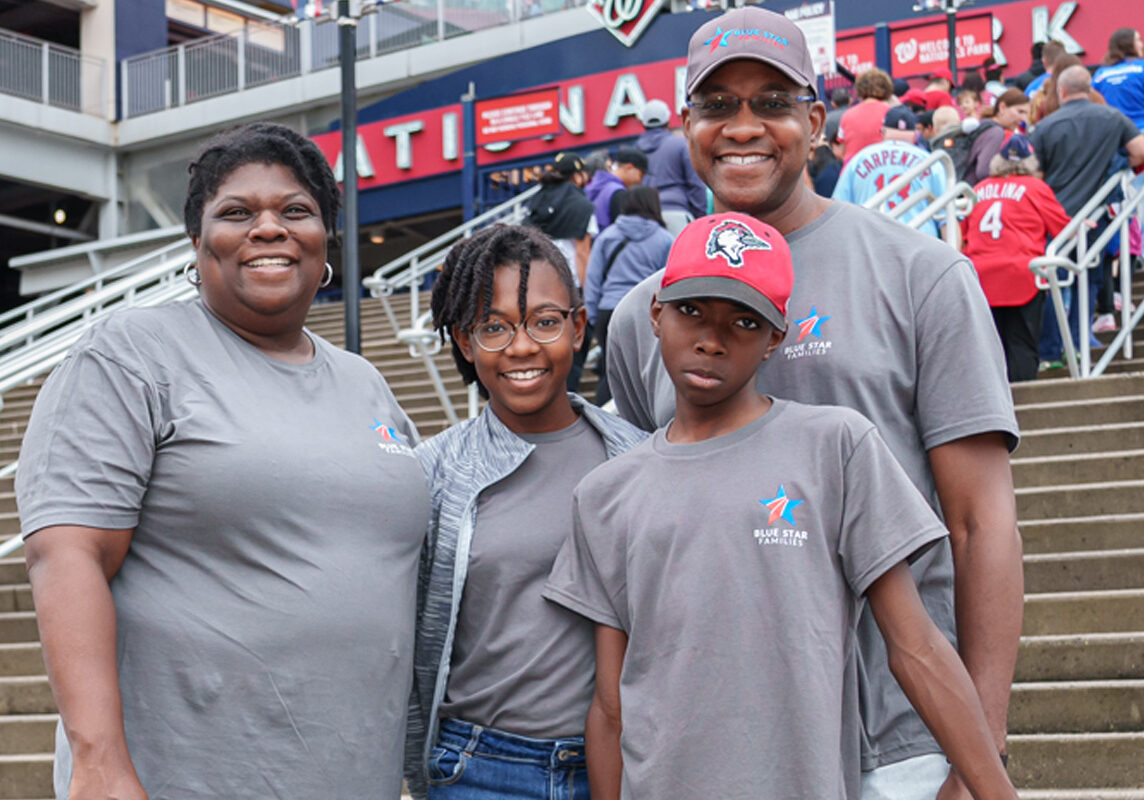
x=1012, y=222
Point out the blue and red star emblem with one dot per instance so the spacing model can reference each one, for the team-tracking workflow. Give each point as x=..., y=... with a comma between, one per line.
x=387, y=433
x=810, y=324
x=781, y=506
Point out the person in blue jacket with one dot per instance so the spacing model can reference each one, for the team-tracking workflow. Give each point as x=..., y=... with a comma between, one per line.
x=627, y=252
x=681, y=193
x=1121, y=80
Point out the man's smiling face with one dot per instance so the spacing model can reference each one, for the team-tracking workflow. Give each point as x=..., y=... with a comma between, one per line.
x=752, y=165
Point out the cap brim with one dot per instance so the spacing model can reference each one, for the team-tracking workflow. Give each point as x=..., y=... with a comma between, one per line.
x=725, y=289
x=783, y=68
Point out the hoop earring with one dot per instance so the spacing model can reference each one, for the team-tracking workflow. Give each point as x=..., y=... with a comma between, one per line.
x=191, y=273
x=328, y=277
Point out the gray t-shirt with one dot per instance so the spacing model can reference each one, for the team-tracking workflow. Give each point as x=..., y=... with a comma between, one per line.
x=265, y=607
x=737, y=567
x=520, y=663
x=889, y=322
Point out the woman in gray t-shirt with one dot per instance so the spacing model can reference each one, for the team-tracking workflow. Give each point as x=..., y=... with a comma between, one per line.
x=504, y=677
x=225, y=518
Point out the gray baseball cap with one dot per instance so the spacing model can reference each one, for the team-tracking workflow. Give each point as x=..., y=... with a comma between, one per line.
x=750, y=33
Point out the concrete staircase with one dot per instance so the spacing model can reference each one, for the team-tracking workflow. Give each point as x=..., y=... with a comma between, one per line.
x=1077, y=716
x=1076, y=719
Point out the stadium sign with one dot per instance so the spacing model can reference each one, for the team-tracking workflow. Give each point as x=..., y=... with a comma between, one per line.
x=625, y=19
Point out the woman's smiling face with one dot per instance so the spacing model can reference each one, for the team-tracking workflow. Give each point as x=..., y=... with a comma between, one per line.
x=262, y=249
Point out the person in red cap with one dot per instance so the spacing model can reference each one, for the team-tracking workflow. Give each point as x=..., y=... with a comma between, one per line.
x=890, y=322
x=730, y=610
x=1015, y=214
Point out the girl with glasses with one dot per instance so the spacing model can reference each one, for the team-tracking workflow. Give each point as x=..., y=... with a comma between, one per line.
x=504, y=678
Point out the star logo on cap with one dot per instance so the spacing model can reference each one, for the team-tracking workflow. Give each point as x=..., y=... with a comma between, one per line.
x=730, y=239
x=811, y=325
x=781, y=506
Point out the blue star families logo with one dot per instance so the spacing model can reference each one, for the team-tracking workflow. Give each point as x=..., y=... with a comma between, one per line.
x=391, y=441
x=811, y=325
x=721, y=37
x=780, y=509
x=781, y=506
x=810, y=341
x=730, y=239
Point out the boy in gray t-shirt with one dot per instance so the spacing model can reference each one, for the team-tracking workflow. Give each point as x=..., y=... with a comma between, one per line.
x=725, y=561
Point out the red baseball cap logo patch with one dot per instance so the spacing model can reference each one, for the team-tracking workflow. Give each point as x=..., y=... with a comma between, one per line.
x=730, y=239
x=731, y=257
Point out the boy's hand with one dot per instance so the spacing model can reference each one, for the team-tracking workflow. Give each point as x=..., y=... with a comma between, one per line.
x=954, y=788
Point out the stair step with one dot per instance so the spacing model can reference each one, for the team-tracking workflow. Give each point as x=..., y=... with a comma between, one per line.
x=1077, y=707
x=18, y=626
x=1081, y=571
x=1077, y=468
x=28, y=733
x=1117, y=610
x=1063, y=534
x=1096, y=763
x=1047, y=390
x=21, y=658
x=13, y=570
x=16, y=597
x=26, y=775
x=26, y=694
x=1081, y=657
x=1064, y=413
x=1080, y=439
x=1075, y=500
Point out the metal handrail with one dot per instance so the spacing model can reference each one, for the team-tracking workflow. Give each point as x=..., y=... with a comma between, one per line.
x=957, y=201
x=408, y=271
x=1074, y=237
x=29, y=310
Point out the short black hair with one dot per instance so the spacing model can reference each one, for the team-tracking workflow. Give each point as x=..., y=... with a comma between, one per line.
x=466, y=281
x=260, y=143
x=634, y=156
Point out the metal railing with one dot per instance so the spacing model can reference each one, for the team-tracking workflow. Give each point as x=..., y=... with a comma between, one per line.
x=266, y=52
x=408, y=273
x=52, y=74
x=49, y=329
x=1072, y=252
x=25, y=324
x=945, y=210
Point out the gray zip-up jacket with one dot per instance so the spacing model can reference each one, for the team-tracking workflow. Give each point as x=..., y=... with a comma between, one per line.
x=462, y=462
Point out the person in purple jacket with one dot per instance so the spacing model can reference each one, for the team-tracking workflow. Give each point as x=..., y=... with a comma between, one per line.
x=610, y=177
x=682, y=194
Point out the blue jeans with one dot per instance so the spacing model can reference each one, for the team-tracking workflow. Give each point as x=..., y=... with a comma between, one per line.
x=475, y=763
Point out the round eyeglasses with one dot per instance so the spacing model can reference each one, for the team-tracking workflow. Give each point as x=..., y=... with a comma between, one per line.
x=768, y=105
x=543, y=326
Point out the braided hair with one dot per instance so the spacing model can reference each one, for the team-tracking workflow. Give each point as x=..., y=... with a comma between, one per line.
x=260, y=143
x=465, y=284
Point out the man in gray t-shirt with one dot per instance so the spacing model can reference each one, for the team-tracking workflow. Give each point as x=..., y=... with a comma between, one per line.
x=886, y=321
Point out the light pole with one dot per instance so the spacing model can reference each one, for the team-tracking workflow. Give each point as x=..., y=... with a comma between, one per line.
x=950, y=7
x=351, y=266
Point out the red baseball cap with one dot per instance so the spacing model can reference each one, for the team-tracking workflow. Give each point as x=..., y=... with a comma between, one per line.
x=942, y=72
x=915, y=97
x=732, y=257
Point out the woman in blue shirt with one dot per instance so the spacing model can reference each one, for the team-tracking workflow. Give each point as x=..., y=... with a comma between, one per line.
x=1121, y=79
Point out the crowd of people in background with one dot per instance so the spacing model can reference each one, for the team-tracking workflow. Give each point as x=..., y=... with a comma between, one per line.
x=894, y=124
x=1062, y=125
